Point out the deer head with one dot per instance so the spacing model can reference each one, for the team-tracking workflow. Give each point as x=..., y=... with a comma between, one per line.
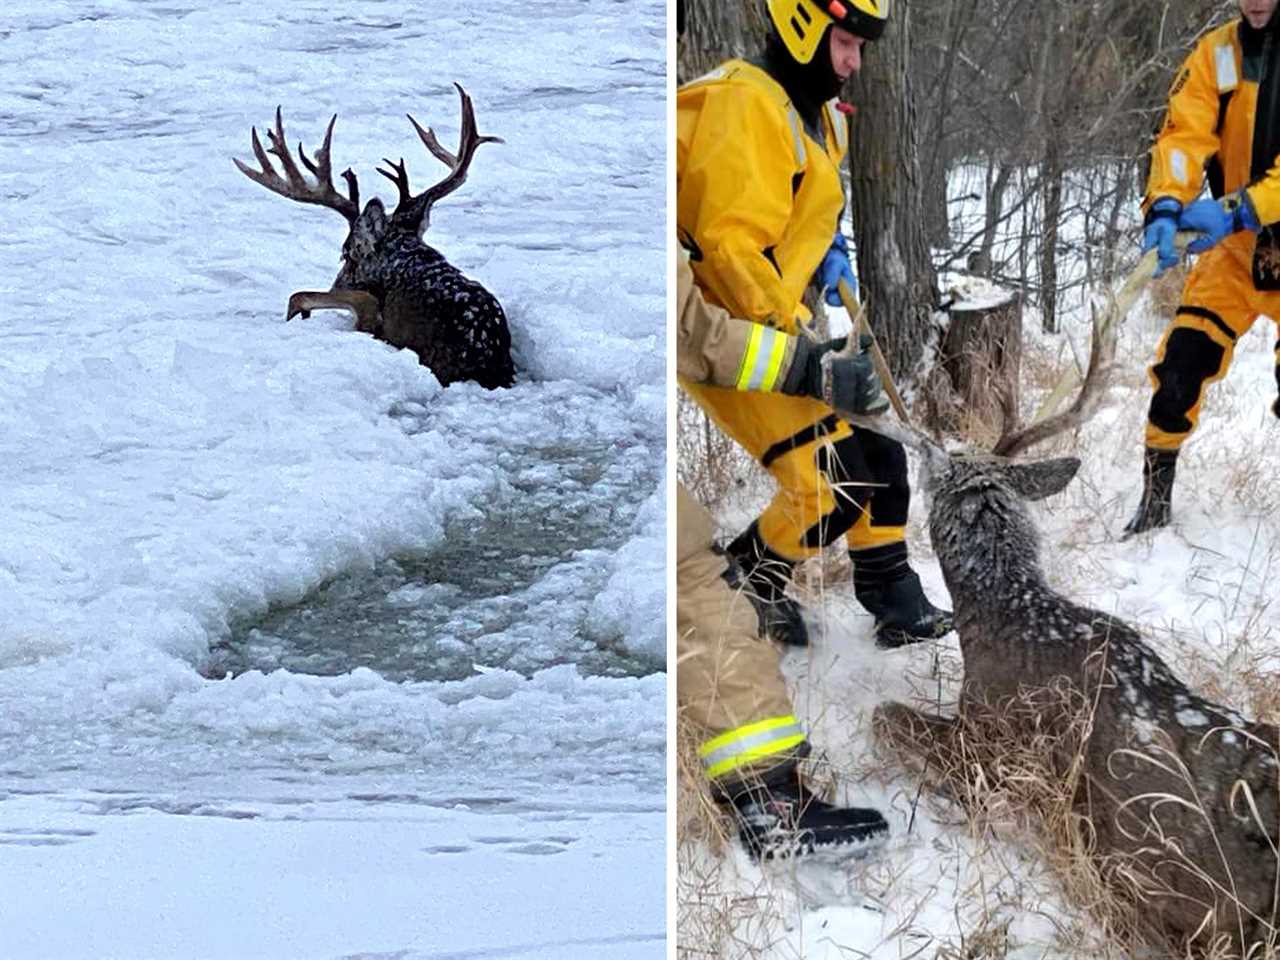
x=370, y=228
x=978, y=522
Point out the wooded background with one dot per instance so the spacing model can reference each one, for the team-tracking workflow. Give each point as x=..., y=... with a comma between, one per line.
x=1042, y=111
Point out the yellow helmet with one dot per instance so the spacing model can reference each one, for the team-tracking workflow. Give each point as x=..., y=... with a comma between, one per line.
x=801, y=23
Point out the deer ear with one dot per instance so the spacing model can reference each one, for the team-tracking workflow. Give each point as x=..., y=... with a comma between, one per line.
x=1035, y=481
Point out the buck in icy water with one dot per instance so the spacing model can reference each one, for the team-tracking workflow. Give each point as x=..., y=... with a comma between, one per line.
x=400, y=289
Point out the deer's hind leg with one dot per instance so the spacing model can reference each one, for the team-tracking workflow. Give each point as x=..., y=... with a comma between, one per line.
x=925, y=742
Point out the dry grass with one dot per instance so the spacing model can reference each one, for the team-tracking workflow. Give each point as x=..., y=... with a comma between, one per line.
x=698, y=818
x=1016, y=772
x=710, y=914
x=1248, y=678
x=1019, y=771
x=708, y=463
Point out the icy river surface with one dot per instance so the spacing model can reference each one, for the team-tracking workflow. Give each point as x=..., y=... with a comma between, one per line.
x=300, y=654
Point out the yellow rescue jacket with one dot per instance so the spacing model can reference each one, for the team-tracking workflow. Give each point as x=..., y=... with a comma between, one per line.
x=757, y=197
x=1210, y=125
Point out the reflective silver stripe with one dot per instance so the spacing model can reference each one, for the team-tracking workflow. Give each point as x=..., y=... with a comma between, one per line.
x=749, y=742
x=1224, y=60
x=838, y=125
x=797, y=132
x=764, y=354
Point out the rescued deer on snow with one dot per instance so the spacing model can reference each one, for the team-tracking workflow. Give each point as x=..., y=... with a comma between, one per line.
x=400, y=290
x=1185, y=790
x=1180, y=793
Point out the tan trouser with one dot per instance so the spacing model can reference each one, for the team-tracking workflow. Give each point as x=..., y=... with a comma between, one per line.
x=727, y=679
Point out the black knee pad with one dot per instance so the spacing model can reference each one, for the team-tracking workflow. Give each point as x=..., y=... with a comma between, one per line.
x=1190, y=358
x=887, y=461
x=1275, y=407
x=844, y=465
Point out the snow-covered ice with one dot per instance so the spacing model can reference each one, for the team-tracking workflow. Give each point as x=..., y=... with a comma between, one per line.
x=300, y=654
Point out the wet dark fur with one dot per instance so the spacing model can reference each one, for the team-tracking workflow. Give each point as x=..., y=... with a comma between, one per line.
x=455, y=326
x=1148, y=734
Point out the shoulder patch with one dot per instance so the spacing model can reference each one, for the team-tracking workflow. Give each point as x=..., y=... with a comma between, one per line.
x=719, y=73
x=1224, y=62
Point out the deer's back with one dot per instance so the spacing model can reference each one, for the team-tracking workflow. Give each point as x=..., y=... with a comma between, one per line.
x=1154, y=751
x=455, y=325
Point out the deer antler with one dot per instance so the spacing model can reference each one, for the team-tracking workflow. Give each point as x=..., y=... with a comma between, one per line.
x=1102, y=350
x=415, y=210
x=1047, y=424
x=293, y=184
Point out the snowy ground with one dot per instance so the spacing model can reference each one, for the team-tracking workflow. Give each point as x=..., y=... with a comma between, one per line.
x=301, y=655
x=1203, y=592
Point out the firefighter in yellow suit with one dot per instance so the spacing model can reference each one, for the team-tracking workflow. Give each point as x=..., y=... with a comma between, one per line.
x=1223, y=125
x=758, y=202
x=728, y=683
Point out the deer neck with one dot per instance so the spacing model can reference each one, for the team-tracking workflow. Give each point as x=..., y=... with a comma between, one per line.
x=397, y=254
x=978, y=589
x=400, y=241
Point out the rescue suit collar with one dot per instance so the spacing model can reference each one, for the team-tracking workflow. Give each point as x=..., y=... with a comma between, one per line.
x=809, y=85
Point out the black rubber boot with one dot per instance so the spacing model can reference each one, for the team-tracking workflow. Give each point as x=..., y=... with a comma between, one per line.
x=783, y=819
x=767, y=575
x=890, y=590
x=1275, y=407
x=1156, y=505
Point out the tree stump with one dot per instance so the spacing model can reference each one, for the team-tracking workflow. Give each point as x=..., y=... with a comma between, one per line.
x=973, y=391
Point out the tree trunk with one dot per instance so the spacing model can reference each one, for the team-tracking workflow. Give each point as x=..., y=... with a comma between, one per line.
x=894, y=269
x=1120, y=199
x=938, y=155
x=715, y=31
x=998, y=176
x=973, y=391
x=937, y=215
x=1049, y=239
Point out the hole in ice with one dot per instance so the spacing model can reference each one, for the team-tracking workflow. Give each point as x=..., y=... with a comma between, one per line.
x=512, y=589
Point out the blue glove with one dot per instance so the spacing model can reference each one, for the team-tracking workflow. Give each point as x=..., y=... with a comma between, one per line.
x=1218, y=218
x=1161, y=224
x=835, y=267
